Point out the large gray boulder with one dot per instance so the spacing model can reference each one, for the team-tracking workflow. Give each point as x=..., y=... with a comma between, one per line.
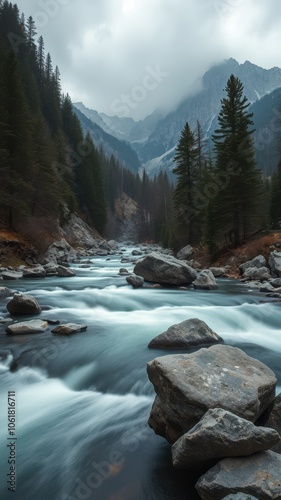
x=257, y=273
x=23, y=304
x=259, y=261
x=257, y=475
x=221, y=434
x=185, y=253
x=205, y=281
x=192, y=332
x=187, y=385
x=34, y=326
x=272, y=418
x=165, y=269
x=275, y=263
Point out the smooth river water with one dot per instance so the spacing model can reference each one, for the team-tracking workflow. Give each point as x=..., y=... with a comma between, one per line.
x=82, y=402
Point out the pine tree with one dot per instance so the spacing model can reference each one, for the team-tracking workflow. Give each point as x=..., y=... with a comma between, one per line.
x=188, y=166
x=238, y=180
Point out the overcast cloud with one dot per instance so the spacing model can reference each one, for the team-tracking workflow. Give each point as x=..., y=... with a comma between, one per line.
x=131, y=56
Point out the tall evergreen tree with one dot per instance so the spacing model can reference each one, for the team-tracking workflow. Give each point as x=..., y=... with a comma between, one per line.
x=189, y=164
x=234, y=209
x=275, y=207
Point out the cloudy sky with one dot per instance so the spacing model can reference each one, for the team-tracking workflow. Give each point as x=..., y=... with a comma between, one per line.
x=128, y=57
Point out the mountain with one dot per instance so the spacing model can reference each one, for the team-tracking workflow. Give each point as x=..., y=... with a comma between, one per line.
x=125, y=129
x=110, y=145
x=155, y=138
x=157, y=152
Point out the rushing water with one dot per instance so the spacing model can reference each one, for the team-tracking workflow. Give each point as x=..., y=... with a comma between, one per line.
x=83, y=401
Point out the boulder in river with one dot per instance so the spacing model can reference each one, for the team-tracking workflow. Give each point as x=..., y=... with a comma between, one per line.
x=5, y=292
x=221, y=434
x=65, y=272
x=69, y=329
x=205, y=281
x=275, y=263
x=34, y=326
x=272, y=418
x=276, y=283
x=192, y=332
x=164, y=269
x=34, y=272
x=185, y=253
x=187, y=385
x=135, y=281
x=11, y=275
x=23, y=304
x=257, y=475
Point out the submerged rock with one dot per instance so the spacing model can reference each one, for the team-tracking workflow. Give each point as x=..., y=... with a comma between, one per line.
x=135, y=281
x=65, y=272
x=69, y=329
x=257, y=475
x=221, y=434
x=192, y=332
x=23, y=304
x=165, y=269
x=187, y=385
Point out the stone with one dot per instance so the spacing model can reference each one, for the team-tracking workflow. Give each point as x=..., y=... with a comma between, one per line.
x=276, y=283
x=205, y=281
x=113, y=244
x=23, y=304
x=257, y=273
x=192, y=332
x=185, y=253
x=257, y=475
x=259, y=261
x=136, y=253
x=11, y=275
x=272, y=418
x=35, y=326
x=187, y=385
x=123, y=271
x=164, y=269
x=218, y=271
x=35, y=272
x=221, y=434
x=5, y=292
x=65, y=272
x=275, y=263
x=135, y=281
x=69, y=329
x=267, y=287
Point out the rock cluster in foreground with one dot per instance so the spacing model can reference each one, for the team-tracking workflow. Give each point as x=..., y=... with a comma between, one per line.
x=207, y=405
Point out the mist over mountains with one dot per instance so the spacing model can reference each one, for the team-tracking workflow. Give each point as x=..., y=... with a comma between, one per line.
x=154, y=139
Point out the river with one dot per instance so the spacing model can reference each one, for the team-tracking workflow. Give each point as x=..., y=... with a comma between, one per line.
x=82, y=402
